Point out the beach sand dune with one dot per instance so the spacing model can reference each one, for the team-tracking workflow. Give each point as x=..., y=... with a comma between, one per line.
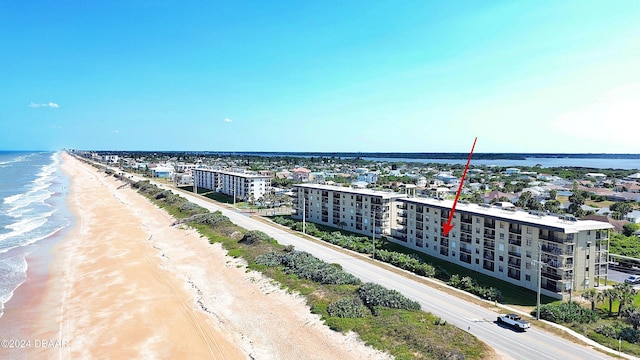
x=125, y=283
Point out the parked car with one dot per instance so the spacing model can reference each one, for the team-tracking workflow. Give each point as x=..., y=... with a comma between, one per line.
x=632, y=279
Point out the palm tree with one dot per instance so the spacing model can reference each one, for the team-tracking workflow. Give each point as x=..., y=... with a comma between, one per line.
x=600, y=297
x=633, y=317
x=591, y=295
x=626, y=293
x=610, y=294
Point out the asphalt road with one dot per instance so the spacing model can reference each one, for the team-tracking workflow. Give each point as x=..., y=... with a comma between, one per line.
x=481, y=322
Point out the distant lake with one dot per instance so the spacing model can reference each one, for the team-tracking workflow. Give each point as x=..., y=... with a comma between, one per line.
x=595, y=161
x=546, y=162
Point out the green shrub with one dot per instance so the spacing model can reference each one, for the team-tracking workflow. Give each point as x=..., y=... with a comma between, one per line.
x=347, y=307
x=270, y=259
x=567, y=313
x=373, y=295
x=256, y=237
x=470, y=285
x=307, y=266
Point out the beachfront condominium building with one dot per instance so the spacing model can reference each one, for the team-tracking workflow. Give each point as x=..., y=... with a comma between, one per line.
x=507, y=244
x=497, y=241
x=239, y=185
x=346, y=208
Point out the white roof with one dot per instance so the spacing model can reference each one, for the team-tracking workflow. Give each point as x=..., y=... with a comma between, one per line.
x=369, y=192
x=537, y=219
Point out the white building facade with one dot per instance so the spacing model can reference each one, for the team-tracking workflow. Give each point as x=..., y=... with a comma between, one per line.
x=240, y=185
x=505, y=244
x=499, y=242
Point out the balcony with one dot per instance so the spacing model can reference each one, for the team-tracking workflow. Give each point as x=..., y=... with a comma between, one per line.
x=515, y=253
x=487, y=265
x=554, y=275
x=489, y=244
x=515, y=229
x=444, y=242
x=513, y=273
x=515, y=262
x=466, y=250
x=465, y=238
x=401, y=221
x=489, y=234
x=419, y=224
x=515, y=240
x=552, y=250
x=419, y=235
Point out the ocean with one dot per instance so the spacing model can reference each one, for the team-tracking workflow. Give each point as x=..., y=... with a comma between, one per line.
x=32, y=208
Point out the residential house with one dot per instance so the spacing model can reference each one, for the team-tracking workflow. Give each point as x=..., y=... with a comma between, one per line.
x=301, y=174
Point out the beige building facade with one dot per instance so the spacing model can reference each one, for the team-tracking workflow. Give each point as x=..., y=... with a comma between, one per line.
x=496, y=241
x=347, y=208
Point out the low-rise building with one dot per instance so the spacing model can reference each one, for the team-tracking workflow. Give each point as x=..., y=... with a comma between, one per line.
x=239, y=185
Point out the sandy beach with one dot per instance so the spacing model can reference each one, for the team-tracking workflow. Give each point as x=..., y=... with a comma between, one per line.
x=125, y=283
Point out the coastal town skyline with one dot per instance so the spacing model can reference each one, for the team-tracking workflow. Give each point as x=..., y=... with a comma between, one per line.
x=358, y=77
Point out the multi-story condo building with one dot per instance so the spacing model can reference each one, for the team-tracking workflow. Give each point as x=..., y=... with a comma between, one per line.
x=240, y=185
x=347, y=208
x=496, y=241
x=506, y=244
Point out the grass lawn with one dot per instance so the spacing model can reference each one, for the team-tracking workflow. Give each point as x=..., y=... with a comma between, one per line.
x=511, y=294
x=599, y=204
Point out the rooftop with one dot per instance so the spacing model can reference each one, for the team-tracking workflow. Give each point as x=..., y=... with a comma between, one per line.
x=350, y=190
x=535, y=218
x=243, y=175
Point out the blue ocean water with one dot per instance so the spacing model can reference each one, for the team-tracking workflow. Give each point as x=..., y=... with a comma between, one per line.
x=32, y=208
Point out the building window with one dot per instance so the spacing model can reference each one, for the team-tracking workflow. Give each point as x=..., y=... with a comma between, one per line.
x=477, y=240
x=529, y=231
x=527, y=278
x=528, y=266
x=501, y=225
x=501, y=258
x=453, y=253
x=477, y=261
x=477, y=251
x=529, y=253
x=501, y=236
x=500, y=268
x=529, y=241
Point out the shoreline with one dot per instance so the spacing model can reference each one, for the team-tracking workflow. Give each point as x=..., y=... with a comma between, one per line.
x=126, y=283
x=19, y=312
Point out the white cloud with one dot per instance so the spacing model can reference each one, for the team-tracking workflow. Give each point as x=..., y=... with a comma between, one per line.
x=116, y=131
x=228, y=120
x=49, y=104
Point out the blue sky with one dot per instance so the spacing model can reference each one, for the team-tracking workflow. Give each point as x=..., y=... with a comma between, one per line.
x=387, y=76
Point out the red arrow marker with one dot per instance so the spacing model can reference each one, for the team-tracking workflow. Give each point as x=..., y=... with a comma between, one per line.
x=446, y=227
